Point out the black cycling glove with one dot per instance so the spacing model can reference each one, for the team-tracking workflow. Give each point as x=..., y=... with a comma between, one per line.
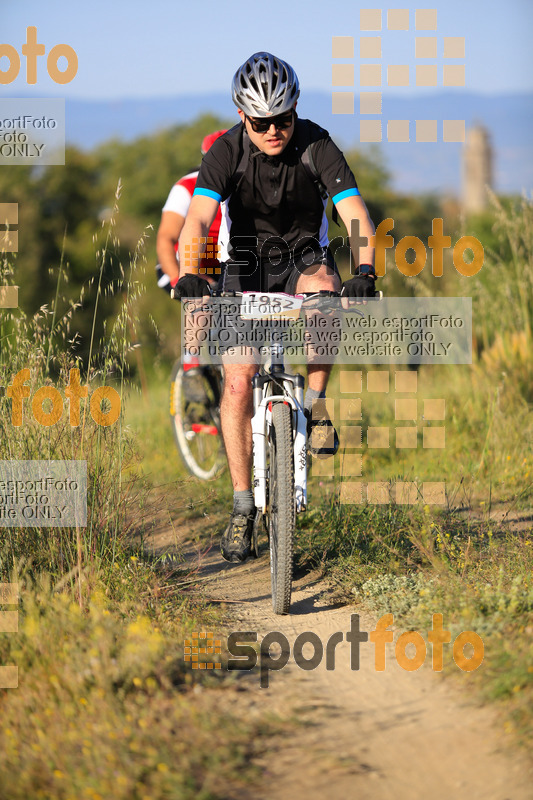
x=360, y=286
x=190, y=286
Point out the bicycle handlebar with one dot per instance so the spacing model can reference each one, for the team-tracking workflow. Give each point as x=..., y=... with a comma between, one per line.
x=322, y=295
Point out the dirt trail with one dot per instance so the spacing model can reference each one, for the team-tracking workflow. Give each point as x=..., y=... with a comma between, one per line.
x=366, y=734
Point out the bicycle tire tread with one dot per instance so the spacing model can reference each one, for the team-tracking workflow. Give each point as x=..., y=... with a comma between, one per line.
x=282, y=500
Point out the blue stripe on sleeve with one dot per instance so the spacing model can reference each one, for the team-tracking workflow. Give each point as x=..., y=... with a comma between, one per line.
x=348, y=193
x=208, y=193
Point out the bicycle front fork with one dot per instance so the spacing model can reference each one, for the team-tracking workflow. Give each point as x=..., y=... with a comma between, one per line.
x=293, y=386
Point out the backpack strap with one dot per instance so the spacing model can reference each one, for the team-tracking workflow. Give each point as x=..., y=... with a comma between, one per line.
x=310, y=167
x=243, y=162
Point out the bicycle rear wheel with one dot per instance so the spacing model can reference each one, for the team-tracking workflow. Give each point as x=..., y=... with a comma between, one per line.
x=282, y=511
x=195, y=419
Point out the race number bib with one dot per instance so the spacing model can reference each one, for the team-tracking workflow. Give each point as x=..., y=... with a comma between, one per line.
x=272, y=304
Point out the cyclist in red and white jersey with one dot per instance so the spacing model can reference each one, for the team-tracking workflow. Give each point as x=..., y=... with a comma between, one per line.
x=172, y=221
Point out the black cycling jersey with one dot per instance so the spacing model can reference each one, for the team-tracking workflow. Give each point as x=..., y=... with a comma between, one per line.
x=276, y=210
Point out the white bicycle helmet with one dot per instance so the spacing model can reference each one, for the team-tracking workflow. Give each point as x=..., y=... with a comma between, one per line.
x=265, y=86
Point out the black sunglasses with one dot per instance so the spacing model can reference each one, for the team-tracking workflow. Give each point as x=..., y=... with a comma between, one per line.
x=261, y=125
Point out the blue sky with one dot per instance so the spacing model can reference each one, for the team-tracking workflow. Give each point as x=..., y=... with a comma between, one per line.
x=131, y=48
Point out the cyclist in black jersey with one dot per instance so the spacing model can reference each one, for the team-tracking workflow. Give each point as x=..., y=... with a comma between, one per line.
x=273, y=238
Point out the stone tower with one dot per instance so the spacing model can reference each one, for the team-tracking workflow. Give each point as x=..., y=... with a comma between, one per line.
x=477, y=170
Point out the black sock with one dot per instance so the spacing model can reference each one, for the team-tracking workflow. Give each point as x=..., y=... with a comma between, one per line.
x=310, y=395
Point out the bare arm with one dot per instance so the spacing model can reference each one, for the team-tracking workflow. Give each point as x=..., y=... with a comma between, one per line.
x=200, y=216
x=354, y=208
x=167, y=238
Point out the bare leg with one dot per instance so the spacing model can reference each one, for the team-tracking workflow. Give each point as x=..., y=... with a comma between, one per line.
x=236, y=420
x=315, y=279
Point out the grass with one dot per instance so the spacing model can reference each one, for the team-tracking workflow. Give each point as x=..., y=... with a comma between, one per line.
x=488, y=432
x=471, y=559
x=414, y=562
x=105, y=705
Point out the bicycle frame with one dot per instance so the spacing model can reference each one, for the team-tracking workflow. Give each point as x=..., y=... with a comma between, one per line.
x=293, y=395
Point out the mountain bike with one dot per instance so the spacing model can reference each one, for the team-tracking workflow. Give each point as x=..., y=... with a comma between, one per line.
x=195, y=393
x=279, y=436
x=279, y=432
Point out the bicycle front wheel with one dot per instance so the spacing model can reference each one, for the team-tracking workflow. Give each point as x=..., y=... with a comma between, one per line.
x=282, y=510
x=194, y=416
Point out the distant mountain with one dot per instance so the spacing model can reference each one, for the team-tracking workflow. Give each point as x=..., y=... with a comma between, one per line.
x=416, y=167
